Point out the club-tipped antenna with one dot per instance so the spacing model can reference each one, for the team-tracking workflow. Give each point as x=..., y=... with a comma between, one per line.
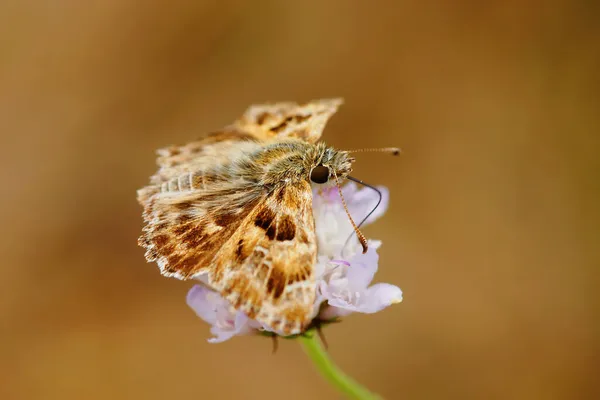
x=359, y=181
x=391, y=150
x=361, y=237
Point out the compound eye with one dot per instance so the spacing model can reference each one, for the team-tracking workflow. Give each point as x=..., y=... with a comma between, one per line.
x=319, y=174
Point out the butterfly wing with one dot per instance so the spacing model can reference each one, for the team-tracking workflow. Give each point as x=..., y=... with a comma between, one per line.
x=256, y=247
x=266, y=268
x=216, y=148
x=260, y=123
x=186, y=228
x=288, y=120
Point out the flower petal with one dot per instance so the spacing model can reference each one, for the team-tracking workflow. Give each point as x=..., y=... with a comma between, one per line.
x=199, y=301
x=362, y=269
x=237, y=326
x=374, y=299
x=329, y=312
x=215, y=310
x=378, y=297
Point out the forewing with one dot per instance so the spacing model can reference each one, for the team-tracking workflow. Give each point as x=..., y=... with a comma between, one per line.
x=260, y=124
x=257, y=248
x=185, y=229
x=266, y=268
x=216, y=148
x=288, y=120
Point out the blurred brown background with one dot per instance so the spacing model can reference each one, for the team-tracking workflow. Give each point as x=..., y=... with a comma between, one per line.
x=492, y=230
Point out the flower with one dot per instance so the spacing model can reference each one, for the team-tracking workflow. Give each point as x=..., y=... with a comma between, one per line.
x=343, y=272
x=225, y=321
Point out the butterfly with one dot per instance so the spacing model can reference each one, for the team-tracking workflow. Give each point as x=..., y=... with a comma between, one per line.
x=234, y=210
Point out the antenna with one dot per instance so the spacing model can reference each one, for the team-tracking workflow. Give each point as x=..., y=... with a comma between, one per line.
x=370, y=187
x=361, y=237
x=392, y=150
x=359, y=181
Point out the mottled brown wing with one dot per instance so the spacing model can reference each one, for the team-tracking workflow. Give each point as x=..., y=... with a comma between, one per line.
x=288, y=120
x=260, y=124
x=214, y=149
x=183, y=168
x=266, y=268
x=256, y=248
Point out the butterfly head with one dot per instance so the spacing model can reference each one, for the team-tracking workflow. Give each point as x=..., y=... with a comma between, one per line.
x=330, y=164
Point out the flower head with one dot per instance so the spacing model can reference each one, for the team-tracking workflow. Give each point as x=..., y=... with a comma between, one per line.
x=343, y=273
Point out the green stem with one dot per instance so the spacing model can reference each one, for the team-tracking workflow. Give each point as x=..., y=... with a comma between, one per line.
x=331, y=372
